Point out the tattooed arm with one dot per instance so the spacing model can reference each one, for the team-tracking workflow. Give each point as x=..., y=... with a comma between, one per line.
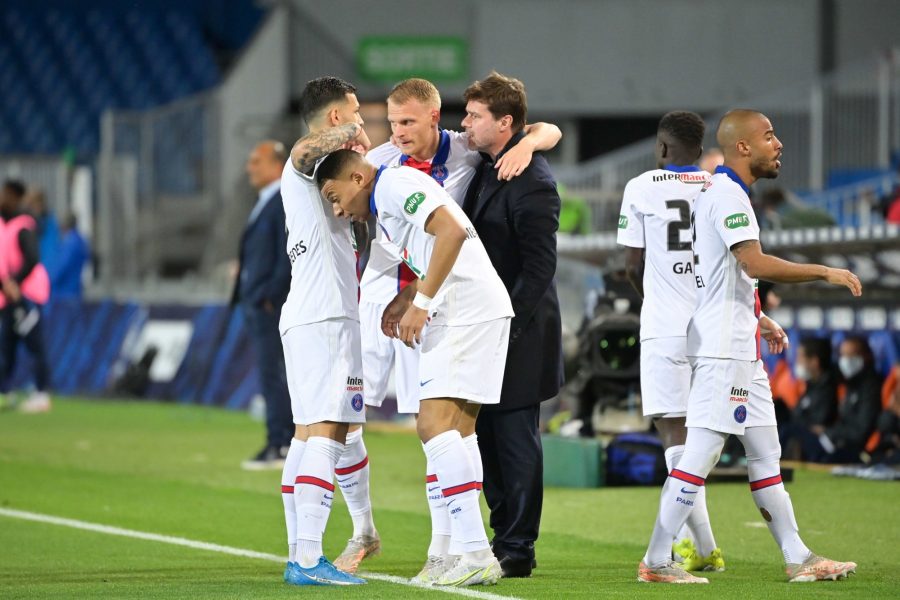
x=314, y=146
x=754, y=263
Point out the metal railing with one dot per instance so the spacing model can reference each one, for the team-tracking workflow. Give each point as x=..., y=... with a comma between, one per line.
x=158, y=175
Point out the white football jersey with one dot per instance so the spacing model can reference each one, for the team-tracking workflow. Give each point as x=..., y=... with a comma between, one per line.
x=725, y=323
x=453, y=166
x=323, y=262
x=402, y=200
x=656, y=216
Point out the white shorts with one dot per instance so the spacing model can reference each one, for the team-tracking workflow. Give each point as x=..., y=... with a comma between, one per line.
x=379, y=354
x=762, y=407
x=665, y=377
x=464, y=361
x=324, y=372
x=720, y=394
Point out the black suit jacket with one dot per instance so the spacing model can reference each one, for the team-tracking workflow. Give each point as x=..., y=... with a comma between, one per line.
x=517, y=222
x=265, y=271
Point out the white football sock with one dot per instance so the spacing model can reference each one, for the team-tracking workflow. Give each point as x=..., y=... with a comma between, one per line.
x=774, y=503
x=450, y=458
x=679, y=494
x=288, y=476
x=471, y=443
x=314, y=492
x=697, y=527
x=440, y=516
x=672, y=455
x=352, y=475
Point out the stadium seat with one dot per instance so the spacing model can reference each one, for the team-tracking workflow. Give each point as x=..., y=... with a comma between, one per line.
x=887, y=393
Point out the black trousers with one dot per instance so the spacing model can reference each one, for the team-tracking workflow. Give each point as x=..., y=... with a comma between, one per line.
x=33, y=341
x=513, y=461
x=263, y=329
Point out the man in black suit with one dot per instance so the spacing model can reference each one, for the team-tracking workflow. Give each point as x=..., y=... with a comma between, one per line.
x=263, y=281
x=517, y=222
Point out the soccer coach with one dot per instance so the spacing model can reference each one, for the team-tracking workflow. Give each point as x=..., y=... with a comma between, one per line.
x=517, y=222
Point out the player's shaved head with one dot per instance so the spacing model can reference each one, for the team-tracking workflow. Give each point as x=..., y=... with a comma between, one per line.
x=736, y=125
x=338, y=165
x=748, y=141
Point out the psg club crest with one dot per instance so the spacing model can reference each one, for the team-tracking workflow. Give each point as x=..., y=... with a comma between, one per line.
x=357, y=402
x=740, y=414
x=439, y=173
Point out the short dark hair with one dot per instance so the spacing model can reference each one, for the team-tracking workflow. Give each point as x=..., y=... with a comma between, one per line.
x=335, y=164
x=16, y=187
x=863, y=345
x=503, y=96
x=684, y=126
x=819, y=348
x=321, y=92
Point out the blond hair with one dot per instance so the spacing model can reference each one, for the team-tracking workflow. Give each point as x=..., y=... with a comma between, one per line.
x=416, y=89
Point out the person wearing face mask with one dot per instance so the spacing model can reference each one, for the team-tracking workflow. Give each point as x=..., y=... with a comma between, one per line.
x=846, y=439
x=817, y=406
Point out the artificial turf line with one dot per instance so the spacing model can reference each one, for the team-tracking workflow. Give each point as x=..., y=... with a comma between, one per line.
x=197, y=545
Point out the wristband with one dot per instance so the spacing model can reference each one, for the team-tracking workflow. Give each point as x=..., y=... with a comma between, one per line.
x=421, y=301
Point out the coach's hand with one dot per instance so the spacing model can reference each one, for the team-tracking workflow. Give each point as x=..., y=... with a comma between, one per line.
x=773, y=334
x=411, y=326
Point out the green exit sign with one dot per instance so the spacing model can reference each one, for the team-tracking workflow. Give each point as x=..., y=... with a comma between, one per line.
x=392, y=58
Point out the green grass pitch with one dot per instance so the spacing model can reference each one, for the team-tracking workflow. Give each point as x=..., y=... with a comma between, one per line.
x=174, y=470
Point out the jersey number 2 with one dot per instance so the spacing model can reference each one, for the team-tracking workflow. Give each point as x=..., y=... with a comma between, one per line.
x=676, y=227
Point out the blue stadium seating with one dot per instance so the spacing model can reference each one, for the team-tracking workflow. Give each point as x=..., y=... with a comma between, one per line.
x=70, y=63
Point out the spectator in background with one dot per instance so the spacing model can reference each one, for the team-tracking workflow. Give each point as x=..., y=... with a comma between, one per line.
x=47, y=227
x=780, y=211
x=24, y=288
x=846, y=439
x=263, y=281
x=66, y=273
x=818, y=405
x=711, y=159
x=887, y=450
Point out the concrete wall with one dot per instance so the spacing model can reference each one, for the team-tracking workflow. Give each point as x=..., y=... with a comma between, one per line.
x=604, y=57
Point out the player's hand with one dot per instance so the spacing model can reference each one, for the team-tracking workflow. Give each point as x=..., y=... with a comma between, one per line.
x=396, y=308
x=845, y=278
x=411, y=326
x=773, y=334
x=11, y=290
x=515, y=161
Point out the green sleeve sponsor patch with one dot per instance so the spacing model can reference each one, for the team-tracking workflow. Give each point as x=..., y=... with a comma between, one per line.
x=413, y=201
x=623, y=222
x=737, y=220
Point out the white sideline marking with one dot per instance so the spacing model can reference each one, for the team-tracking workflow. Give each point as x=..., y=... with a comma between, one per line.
x=179, y=541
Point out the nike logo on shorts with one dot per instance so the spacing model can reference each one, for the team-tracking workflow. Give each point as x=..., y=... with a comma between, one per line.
x=424, y=383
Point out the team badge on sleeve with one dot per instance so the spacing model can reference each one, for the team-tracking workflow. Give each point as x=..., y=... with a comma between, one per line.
x=623, y=222
x=413, y=201
x=737, y=220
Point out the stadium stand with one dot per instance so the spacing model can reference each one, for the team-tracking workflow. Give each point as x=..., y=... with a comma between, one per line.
x=90, y=58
